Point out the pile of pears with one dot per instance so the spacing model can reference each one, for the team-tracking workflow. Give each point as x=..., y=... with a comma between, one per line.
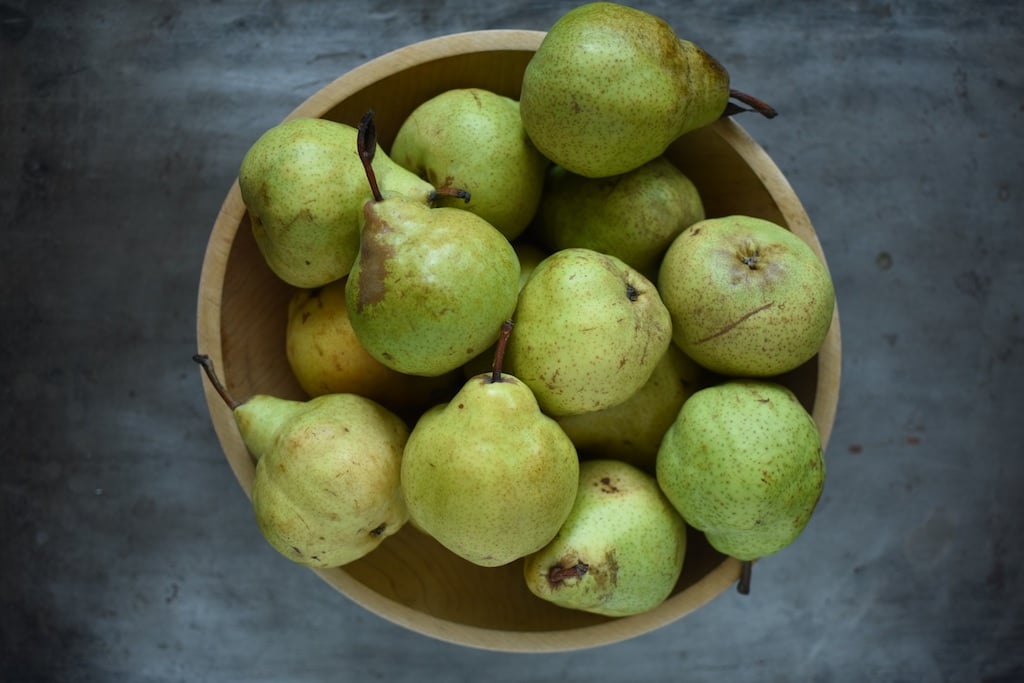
x=520, y=333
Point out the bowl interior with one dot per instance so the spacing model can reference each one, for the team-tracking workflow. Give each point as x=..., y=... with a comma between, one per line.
x=410, y=579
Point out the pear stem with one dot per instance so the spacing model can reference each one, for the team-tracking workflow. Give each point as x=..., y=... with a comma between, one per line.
x=207, y=364
x=499, y=351
x=746, y=567
x=754, y=104
x=366, y=142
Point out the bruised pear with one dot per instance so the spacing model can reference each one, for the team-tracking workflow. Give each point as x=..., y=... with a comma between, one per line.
x=326, y=490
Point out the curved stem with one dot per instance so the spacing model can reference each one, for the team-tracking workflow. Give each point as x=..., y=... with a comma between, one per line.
x=499, y=351
x=753, y=104
x=366, y=143
x=207, y=364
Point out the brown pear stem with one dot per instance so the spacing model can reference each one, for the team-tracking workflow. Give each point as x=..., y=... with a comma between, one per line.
x=499, y=351
x=746, y=567
x=207, y=364
x=366, y=142
x=754, y=104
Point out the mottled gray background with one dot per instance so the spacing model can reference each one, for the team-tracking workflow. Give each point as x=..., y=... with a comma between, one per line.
x=130, y=553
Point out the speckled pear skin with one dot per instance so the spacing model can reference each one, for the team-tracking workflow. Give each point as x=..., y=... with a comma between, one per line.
x=610, y=87
x=634, y=216
x=430, y=287
x=488, y=475
x=625, y=539
x=304, y=186
x=743, y=463
x=748, y=298
x=589, y=332
x=473, y=139
x=327, y=486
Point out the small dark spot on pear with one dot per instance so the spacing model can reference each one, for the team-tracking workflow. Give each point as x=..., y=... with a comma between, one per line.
x=379, y=529
x=297, y=551
x=632, y=293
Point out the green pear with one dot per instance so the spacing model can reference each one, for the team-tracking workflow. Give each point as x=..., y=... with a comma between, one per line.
x=304, y=188
x=326, y=356
x=743, y=463
x=327, y=488
x=610, y=87
x=430, y=287
x=473, y=139
x=747, y=297
x=620, y=551
x=589, y=332
x=632, y=431
x=488, y=475
x=634, y=216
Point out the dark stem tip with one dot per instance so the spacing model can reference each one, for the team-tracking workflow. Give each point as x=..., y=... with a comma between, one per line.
x=746, y=567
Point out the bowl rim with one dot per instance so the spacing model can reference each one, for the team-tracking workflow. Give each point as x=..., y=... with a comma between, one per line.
x=208, y=322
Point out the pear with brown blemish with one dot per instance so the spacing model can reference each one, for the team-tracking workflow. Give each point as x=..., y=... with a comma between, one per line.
x=304, y=188
x=620, y=551
x=748, y=297
x=430, y=287
x=610, y=87
x=589, y=332
x=326, y=490
x=743, y=463
x=487, y=474
x=473, y=139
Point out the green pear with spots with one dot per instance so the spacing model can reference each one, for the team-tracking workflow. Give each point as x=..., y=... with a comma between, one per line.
x=589, y=332
x=326, y=490
x=473, y=139
x=748, y=298
x=303, y=186
x=430, y=287
x=620, y=551
x=611, y=86
x=488, y=475
x=743, y=463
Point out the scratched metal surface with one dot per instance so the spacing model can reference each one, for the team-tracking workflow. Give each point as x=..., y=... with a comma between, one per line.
x=129, y=554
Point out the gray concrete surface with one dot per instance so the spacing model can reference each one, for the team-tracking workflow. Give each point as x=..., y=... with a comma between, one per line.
x=130, y=554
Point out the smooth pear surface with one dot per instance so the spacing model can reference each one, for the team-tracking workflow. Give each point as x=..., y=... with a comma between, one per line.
x=473, y=139
x=634, y=216
x=304, y=187
x=743, y=463
x=620, y=551
x=610, y=87
x=632, y=431
x=589, y=332
x=748, y=298
x=430, y=288
x=488, y=475
x=327, y=488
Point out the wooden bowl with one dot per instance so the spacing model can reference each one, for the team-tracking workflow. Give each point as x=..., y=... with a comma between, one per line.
x=410, y=579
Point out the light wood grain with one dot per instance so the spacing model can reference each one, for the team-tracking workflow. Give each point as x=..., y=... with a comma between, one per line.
x=410, y=579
